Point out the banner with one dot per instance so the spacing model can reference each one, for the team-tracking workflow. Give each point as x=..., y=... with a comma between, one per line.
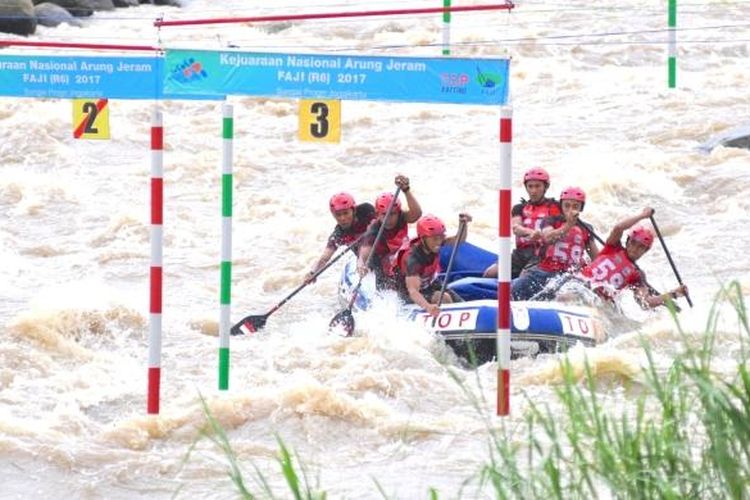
x=407, y=79
x=69, y=77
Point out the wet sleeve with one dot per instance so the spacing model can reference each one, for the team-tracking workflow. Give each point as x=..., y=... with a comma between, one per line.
x=517, y=210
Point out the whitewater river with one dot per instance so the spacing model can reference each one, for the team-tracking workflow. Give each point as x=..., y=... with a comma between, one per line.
x=591, y=105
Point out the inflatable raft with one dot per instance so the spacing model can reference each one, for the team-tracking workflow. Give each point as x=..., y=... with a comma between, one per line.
x=537, y=326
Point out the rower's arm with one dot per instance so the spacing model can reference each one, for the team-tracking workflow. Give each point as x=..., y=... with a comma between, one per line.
x=615, y=235
x=415, y=210
x=550, y=235
x=412, y=286
x=324, y=257
x=647, y=300
x=519, y=229
x=364, y=253
x=451, y=240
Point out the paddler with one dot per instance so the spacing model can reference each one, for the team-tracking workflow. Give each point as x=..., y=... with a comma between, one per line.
x=526, y=222
x=615, y=269
x=352, y=221
x=395, y=234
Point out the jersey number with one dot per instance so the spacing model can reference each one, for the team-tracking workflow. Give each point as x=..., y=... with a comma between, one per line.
x=562, y=254
x=603, y=269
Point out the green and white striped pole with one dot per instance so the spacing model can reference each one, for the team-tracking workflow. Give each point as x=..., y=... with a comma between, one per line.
x=447, y=28
x=227, y=134
x=672, y=23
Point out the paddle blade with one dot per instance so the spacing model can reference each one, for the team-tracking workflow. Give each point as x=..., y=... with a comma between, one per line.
x=343, y=323
x=249, y=325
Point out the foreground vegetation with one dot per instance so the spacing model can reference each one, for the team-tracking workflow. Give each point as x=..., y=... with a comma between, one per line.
x=686, y=435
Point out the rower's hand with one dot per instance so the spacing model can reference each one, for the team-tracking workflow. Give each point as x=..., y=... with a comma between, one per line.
x=464, y=218
x=571, y=218
x=361, y=269
x=403, y=182
x=433, y=310
x=647, y=212
x=681, y=291
x=310, y=278
x=536, y=235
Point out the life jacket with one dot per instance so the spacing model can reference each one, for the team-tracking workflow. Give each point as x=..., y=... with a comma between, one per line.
x=412, y=258
x=390, y=242
x=532, y=215
x=567, y=253
x=614, y=268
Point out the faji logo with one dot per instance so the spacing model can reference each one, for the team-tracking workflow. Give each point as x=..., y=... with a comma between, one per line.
x=453, y=83
x=489, y=82
x=188, y=71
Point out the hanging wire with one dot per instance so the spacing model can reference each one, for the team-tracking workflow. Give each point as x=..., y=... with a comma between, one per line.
x=468, y=24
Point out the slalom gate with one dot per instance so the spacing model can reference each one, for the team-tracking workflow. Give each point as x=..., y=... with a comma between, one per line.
x=214, y=75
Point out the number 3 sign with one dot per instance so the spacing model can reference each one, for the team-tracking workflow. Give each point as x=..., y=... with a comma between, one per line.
x=319, y=121
x=90, y=119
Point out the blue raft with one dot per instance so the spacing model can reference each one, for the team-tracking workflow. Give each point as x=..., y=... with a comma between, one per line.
x=537, y=326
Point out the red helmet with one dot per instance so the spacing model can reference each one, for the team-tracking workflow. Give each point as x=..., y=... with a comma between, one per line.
x=536, y=174
x=642, y=235
x=383, y=201
x=573, y=193
x=341, y=201
x=429, y=225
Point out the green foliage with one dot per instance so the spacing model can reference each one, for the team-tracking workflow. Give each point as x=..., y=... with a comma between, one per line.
x=300, y=490
x=687, y=435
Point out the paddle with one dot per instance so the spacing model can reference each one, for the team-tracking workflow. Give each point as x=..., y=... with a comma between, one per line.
x=253, y=323
x=454, y=250
x=651, y=289
x=669, y=257
x=345, y=319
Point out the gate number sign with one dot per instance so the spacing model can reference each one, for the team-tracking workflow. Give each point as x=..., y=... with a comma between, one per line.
x=90, y=119
x=319, y=120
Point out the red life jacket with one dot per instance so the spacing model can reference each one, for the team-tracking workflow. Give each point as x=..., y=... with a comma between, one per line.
x=568, y=252
x=612, y=267
x=413, y=259
x=392, y=240
x=532, y=215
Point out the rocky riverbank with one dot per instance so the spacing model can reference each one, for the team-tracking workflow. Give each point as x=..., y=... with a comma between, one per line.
x=21, y=17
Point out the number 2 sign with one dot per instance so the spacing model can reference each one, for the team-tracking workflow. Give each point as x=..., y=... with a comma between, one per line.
x=319, y=120
x=90, y=119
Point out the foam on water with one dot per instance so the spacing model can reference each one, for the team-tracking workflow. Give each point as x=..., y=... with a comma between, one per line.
x=392, y=402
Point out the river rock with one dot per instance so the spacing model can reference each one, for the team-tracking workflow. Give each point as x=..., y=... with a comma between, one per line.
x=49, y=14
x=17, y=16
x=102, y=4
x=173, y=3
x=79, y=8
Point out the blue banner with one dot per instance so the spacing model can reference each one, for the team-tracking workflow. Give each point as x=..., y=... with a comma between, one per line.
x=69, y=77
x=443, y=80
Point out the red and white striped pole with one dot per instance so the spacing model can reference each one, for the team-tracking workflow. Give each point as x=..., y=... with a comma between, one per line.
x=503, y=264
x=157, y=237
